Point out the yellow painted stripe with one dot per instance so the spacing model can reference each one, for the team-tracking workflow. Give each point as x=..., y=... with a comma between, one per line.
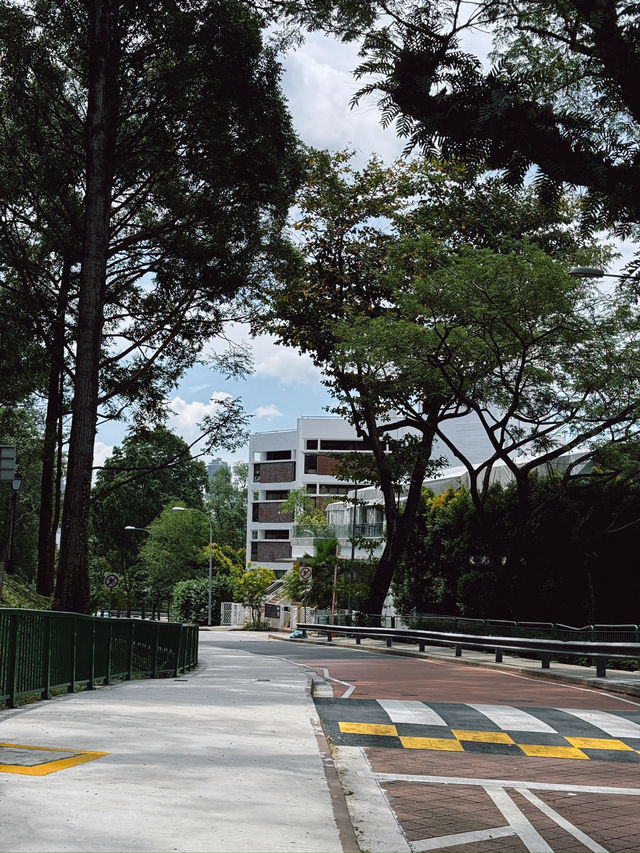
x=445, y=744
x=597, y=743
x=51, y=766
x=540, y=751
x=368, y=729
x=482, y=737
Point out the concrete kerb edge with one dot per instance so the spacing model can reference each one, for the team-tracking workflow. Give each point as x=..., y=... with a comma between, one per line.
x=601, y=684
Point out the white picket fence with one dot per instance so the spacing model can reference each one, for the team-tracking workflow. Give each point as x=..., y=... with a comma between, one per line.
x=236, y=615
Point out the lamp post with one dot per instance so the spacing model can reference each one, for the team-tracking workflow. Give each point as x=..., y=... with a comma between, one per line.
x=15, y=485
x=208, y=517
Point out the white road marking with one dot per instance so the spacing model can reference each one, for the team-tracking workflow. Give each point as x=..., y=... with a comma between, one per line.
x=403, y=711
x=609, y=723
x=348, y=692
x=506, y=783
x=563, y=822
x=525, y=830
x=512, y=719
x=460, y=838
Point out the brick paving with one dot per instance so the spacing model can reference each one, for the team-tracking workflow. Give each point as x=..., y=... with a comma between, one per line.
x=430, y=810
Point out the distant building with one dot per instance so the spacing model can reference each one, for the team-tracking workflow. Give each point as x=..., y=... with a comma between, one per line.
x=304, y=458
x=214, y=466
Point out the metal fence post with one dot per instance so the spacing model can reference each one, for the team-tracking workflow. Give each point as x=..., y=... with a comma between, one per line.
x=132, y=635
x=156, y=643
x=12, y=679
x=46, y=660
x=92, y=679
x=107, y=676
x=72, y=684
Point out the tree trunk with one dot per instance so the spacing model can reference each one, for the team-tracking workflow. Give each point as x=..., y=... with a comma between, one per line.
x=72, y=589
x=49, y=513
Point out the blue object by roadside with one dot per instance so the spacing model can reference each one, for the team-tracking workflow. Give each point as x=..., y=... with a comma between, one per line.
x=295, y=635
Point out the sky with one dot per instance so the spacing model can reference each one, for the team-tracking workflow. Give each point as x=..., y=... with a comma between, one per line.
x=318, y=85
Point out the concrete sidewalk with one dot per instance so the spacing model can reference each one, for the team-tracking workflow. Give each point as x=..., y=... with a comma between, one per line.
x=225, y=758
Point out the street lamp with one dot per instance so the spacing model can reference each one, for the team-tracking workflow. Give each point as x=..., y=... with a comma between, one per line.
x=591, y=272
x=15, y=485
x=208, y=517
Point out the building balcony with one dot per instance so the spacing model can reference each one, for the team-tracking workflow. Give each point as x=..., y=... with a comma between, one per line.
x=306, y=534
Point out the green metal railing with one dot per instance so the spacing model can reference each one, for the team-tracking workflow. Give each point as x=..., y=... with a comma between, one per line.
x=41, y=650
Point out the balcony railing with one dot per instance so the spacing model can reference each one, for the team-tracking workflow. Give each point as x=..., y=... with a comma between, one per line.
x=336, y=531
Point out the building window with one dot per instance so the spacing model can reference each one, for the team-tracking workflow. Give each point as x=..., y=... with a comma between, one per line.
x=256, y=473
x=255, y=512
x=337, y=444
x=312, y=444
x=311, y=463
x=276, y=534
x=256, y=496
x=275, y=455
x=277, y=495
x=334, y=490
x=312, y=488
x=254, y=550
x=254, y=534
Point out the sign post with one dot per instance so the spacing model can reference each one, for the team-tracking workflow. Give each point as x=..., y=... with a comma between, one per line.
x=111, y=581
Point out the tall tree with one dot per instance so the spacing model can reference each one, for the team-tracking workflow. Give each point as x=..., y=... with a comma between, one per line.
x=414, y=326
x=153, y=160
x=227, y=502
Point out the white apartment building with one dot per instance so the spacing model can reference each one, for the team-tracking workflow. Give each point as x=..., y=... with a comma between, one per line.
x=303, y=458
x=281, y=462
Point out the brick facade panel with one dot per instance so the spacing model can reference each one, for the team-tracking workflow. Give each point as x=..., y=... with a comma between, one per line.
x=270, y=512
x=271, y=552
x=277, y=472
x=326, y=465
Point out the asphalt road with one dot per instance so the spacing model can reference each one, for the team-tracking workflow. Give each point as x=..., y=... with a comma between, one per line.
x=436, y=755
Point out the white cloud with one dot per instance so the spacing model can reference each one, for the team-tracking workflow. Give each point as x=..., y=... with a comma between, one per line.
x=284, y=364
x=267, y=412
x=185, y=416
x=101, y=452
x=319, y=85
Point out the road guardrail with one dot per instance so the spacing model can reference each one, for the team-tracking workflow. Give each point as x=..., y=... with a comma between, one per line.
x=599, y=653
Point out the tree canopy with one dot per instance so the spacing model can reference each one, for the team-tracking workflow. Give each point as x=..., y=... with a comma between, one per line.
x=147, y=163
x=421, y=309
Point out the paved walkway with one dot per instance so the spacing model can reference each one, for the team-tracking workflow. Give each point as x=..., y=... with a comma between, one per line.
x=222, y=759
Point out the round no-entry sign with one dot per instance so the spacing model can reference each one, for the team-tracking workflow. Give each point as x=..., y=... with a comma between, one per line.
x=111, y=581
x=305, y=573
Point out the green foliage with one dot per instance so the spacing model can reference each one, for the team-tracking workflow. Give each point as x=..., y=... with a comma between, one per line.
x=421, y=301
x=190, y=599
x=22, y=427
x=17, y=593
x=227, y=502
x=558, y=93
x=152, y=468
x=250, y=589
x=567, y=563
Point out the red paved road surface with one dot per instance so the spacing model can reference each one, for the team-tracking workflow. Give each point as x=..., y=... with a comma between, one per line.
x=440, y=681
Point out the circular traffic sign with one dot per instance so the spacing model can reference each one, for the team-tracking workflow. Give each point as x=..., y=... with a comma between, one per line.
x=111, y=580
x=305, y=573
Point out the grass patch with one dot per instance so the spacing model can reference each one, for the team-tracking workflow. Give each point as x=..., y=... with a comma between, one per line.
x=16, y=593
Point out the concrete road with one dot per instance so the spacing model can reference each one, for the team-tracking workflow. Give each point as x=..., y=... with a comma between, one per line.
x=222, y=759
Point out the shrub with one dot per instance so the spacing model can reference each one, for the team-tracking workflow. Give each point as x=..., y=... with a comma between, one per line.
x=190, y=599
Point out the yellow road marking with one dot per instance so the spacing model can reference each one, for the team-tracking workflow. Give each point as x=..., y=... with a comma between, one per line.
x=76, y=756
x=540, y=751
x=482, y=737
x=445, y=744
x=597, y=743
x=368, y=729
